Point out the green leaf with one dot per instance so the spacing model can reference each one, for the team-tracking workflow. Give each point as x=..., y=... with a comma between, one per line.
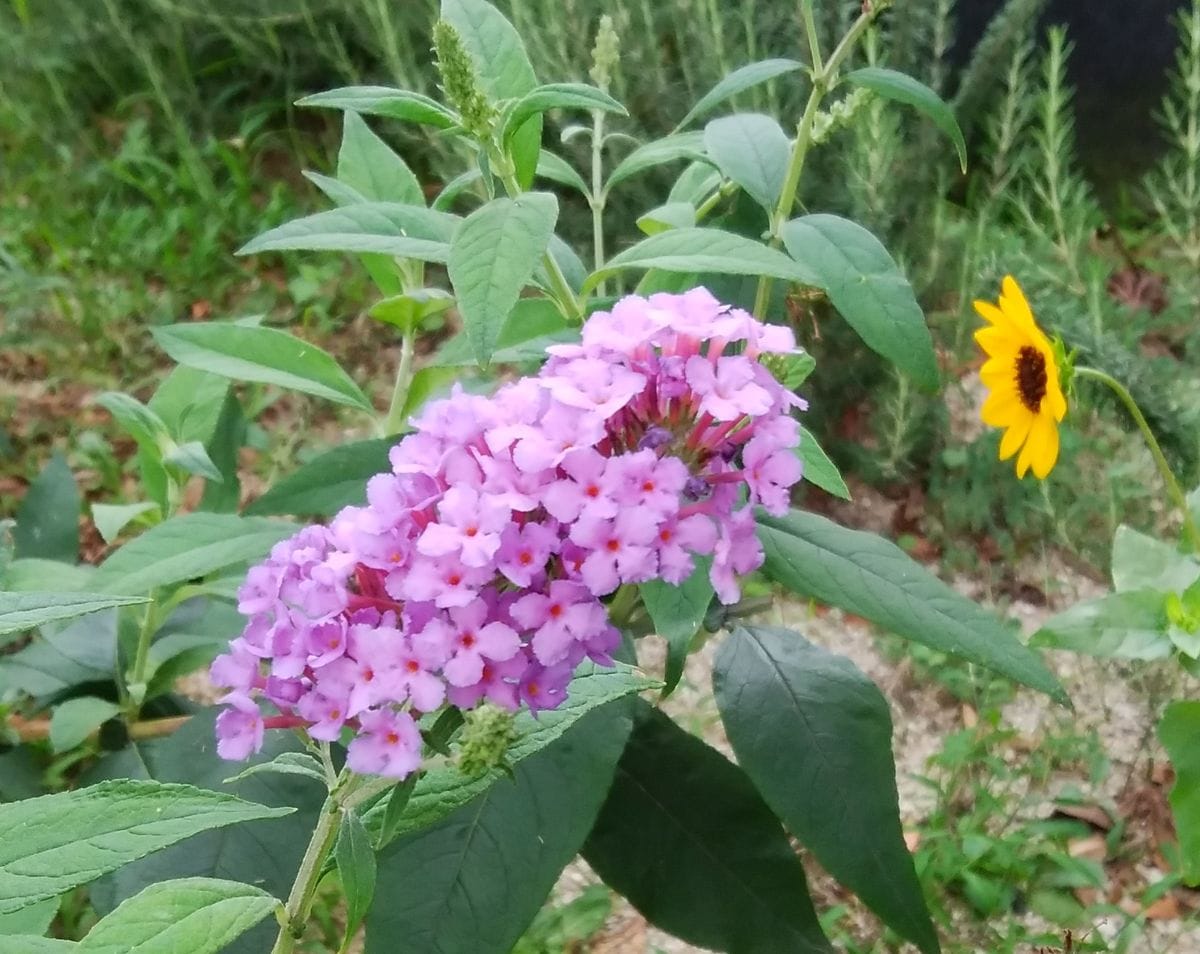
x=222, y=448
x=339, y=193
x=806, y=724
x=135, y=419
x=48, y=517
x=286, y=763
x=1130, y=625
x=28, y=944
x=492, y=257
x=74, y=720
x=384, y=101
x=753, y=151
x=192, y=458
x=186, y=547
x=486, y=869
x=34, y=919
x=705, y=250
x=263, y=853
x=873, y=578
x=196, y=915
x=688, y=146
x=406, y=311
x=355, y=857
x=111, y=519
x=21, y=611
x=54, y=843
x=35, y=575
x=868, y=290
x=695, y=184
x=744, y=78
x=673, y=215
x=504, y=70
x=442, y=790
x=818, y=468
x=686, y=838
x=327, y=483
x=397, y=802
x=533, y=321
x=391, y=228
x=553, y=167
x=904, y=89
x=1142, y=562
x=369, y=165
x=677, y=612
x=557, y=96
x=266, y=355
x=82, y=651
x=1179, y=732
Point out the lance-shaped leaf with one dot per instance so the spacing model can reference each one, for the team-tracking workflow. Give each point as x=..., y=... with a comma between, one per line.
x=485, y=870
x=1130, y=625
x=266, y=355
x=677, y=612
x=187, y=547
x=1179, y=731
x=686, y=838
x=557, y=96
x=492, y=257
x=48, y=517
x=327, y=483
x=807, y=725
x=23, y=611
x=818, y=468
x=875, y=579
x=868, y=289
x=371, y=167
x=688, y=146
x=741, y=79
x=406, y=231
x=52, y=844
x=753, y=151
x=384, y=101
x=706, y=251
x=197, y=915
x=904, y=89
x=355, y=858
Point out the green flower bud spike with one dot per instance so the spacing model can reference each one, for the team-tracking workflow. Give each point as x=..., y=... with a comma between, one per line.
x=606, y=54
x=460, y=83
x=486, y=735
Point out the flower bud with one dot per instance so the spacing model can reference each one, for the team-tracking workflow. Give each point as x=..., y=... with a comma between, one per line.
x=460, y=82
x=486, y=735
x=606, y=53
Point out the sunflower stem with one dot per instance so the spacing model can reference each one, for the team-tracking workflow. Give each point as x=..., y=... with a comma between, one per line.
x=1190, y=533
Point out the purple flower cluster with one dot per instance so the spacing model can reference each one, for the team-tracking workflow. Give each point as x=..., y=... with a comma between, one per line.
x=478, y=567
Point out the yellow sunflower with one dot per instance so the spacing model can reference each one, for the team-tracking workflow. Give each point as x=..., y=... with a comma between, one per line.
x=1022, y=376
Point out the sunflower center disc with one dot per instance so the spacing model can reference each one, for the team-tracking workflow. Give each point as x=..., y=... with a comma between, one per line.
x=1031, y=377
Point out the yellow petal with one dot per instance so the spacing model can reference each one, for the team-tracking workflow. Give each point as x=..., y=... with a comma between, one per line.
x=1046, y=452
x=996, y=341
x=1025, y=458
x=1015, y=436
x=1014, y=304
x=1001, y=409
x=989, y=312
x=1056, y=404
x=1000, y=374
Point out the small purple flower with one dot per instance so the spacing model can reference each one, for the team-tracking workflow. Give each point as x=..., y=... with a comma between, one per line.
x=524, y=551
x=388, y=743
x=771, y=471
x=239, y=728
x=474, y=640
x=469, y=525
x=727, y=391
x=620, y=550
x=545, y=687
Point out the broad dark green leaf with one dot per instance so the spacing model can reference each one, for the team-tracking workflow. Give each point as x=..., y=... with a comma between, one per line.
x=504, y=70
x=818, y=468
x=76, y=719
x=706, y=250
x=48, y=517
x=558, y=96
x=485, y=870
x=187, y=547
x=873, y=578
x=371, y=167
x=355, y=858
x=327, y=483
x=263, y=853
x=492, y=257
x=1130, y=625
x=28, y=610
x=54, y=843
x=1179, y=732
x=868, y=289
x=744, y=78
x=753, y=151
x=442, y=790
x=688, y=146
x=266, y=355
x=196, y=915
x=806, y=724
x=391, y=228
x=904, y=89
x=677, y=612
x=385, y=101
x=686, y=838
